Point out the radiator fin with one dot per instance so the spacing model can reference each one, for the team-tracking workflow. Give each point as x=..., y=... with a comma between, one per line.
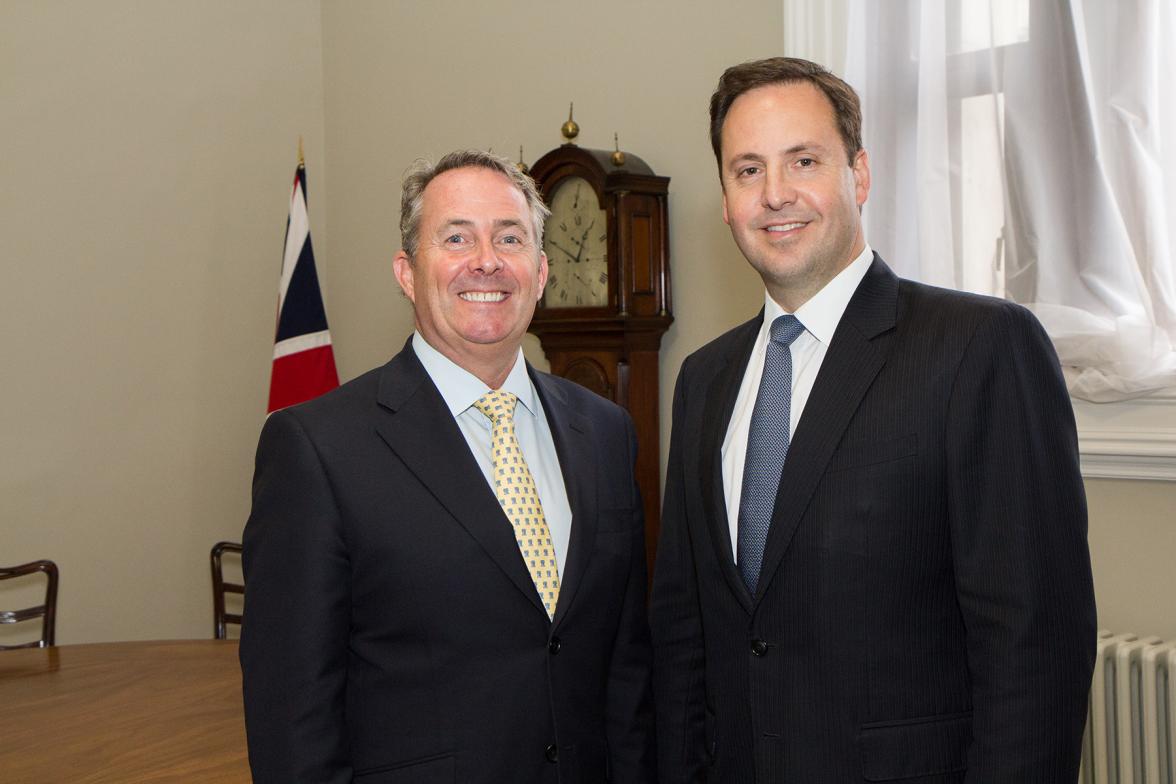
x=1130, y=737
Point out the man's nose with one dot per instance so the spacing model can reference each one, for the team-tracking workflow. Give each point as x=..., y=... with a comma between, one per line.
x=778, y=191
x=485, y=258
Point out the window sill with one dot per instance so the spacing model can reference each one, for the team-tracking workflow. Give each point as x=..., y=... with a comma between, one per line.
x=1135, y=439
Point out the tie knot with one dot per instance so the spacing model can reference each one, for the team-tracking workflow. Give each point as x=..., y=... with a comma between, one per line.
x=786, y=329
x=497, y=404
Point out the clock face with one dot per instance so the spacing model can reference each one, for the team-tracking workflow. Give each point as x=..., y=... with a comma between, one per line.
x=576, y=243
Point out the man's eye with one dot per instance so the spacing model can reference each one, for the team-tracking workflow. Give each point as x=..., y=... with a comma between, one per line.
x=511, y=239
x=454, y=239
x=806, y=163
x=749, y=171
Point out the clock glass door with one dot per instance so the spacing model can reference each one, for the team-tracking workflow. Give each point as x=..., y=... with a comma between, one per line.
x=576, y=243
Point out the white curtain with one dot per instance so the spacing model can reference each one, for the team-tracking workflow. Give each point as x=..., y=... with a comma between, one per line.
x=1027, y=149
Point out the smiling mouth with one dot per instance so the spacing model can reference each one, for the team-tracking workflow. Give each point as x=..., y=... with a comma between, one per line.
x=483, y=296
x=785, y=227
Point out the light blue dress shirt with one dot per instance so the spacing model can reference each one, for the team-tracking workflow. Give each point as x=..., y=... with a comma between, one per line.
x=820, y=316
x=460, y=389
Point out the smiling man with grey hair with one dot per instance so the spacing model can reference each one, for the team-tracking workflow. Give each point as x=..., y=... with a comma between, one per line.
x=445, y=582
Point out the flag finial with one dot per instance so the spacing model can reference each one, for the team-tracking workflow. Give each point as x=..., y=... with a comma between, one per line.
x=301, y=159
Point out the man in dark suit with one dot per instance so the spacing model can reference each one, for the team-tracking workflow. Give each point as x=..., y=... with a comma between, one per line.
x=873, y=562
x=439, y=590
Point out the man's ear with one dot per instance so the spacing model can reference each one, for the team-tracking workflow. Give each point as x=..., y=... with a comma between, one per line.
x=543, y=269
x=861, y=177
x=402, y=267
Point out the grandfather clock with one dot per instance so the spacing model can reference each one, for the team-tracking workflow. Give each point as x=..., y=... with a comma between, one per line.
x=607, y=301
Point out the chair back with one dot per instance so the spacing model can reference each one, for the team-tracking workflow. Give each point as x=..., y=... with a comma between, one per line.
x=220, y=618
x=46, y=611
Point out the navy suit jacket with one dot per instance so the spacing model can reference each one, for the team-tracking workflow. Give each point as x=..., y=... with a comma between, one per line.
x=392, y=632
x=925, y=611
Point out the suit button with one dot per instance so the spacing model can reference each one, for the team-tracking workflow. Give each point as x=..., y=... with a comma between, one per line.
x=759, y=648
x=553, y=646
x=552, y=753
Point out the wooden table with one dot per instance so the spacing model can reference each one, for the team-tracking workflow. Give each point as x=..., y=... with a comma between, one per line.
x=123, y=712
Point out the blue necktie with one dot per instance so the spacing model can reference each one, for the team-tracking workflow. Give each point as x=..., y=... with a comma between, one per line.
x=767, y=446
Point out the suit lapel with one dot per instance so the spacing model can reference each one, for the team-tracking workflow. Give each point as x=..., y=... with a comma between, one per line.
x=424, y=435
x=721, y=390
x=849, y=368
x=578, y=464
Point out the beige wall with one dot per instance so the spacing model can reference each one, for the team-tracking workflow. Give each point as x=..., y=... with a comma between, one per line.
x=1133, y=553
x=403, y=82
x=146, y=158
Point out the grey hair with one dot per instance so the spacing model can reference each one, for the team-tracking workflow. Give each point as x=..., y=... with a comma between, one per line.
x=421, y=173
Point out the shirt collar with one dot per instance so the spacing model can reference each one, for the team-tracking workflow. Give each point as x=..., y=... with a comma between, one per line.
x=823, y=311
x=460, y=388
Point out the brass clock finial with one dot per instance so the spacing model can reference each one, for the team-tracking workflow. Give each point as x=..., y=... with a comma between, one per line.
x=618, y=157
x=570, y=129
x=301, y=159
x=522, y=165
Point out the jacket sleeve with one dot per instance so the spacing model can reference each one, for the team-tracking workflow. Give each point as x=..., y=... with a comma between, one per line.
x=679, y=686
x=294, y=634
x=632, y=756
x=1023, y=581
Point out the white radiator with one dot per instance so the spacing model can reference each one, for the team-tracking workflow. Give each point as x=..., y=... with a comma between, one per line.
x=1131, y=727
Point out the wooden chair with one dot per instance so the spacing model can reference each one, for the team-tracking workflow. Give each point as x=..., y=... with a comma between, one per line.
x=47, y=612
x=219, y=588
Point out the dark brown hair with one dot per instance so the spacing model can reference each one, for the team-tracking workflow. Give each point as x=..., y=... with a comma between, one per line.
x=739, y=79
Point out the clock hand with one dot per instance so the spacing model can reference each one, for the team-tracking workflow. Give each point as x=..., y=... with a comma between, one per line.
x=563, y=251
x=583, y=238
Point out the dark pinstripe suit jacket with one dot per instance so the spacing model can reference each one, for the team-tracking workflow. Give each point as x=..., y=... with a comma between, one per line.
x=393, y=634
x=925, y=610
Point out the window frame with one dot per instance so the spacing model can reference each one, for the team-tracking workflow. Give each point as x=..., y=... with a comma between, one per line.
x=1130, y=439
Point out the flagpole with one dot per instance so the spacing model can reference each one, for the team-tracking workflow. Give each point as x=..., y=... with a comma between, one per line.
x=301, y=159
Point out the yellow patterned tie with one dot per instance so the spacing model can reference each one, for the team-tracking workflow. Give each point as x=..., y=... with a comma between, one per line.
x=515, y=488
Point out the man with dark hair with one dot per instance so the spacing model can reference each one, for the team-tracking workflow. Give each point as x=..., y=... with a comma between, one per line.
x=873, y=562
x=444, y=581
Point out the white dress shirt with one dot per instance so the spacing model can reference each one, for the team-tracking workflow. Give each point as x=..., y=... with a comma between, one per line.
x=461, y=389
x=820, y=316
